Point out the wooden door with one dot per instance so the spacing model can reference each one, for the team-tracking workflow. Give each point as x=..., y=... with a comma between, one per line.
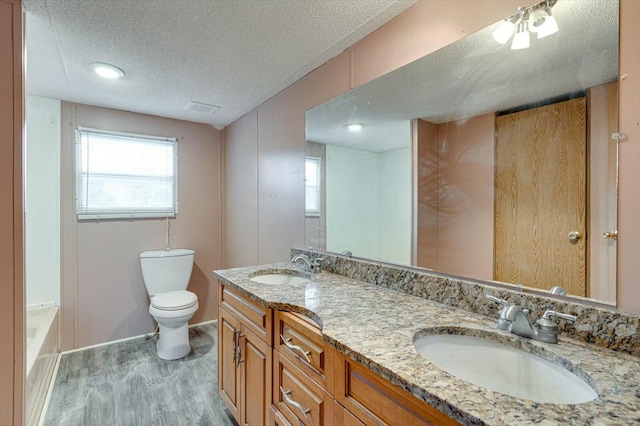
x=541, y=158
x=228, y=371
x=255, y=361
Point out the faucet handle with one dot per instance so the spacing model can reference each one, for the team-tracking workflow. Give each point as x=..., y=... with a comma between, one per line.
x=316, y=264
x=549, y=313
x=548, y=328
x=503, y=323
x=497, y=300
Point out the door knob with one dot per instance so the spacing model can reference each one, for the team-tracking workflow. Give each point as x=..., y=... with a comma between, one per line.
x=574, y=237
x=612, y=235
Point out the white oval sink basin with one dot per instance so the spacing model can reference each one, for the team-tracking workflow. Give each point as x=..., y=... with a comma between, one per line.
x=504, y=369
x=280, y=278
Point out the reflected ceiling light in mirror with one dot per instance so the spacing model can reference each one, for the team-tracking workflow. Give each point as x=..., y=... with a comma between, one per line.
x=536, y=19
x=505, y=30
x=106, y=70
x=521, y=39
x=542, y=22
x=354, y=127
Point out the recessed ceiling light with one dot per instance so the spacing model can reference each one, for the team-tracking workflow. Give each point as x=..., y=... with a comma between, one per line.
x=106, y=70
x=354, y=127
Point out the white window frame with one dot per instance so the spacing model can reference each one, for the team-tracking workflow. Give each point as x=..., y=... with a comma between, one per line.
x=318, y=161
x=87, y=213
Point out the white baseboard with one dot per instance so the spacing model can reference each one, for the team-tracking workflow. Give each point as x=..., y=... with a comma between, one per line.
x=203, y=323
x=127, y=339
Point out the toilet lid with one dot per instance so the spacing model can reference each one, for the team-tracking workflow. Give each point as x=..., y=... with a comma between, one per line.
x=174, y=300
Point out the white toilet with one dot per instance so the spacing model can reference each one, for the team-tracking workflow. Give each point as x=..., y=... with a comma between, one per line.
x=166, y=276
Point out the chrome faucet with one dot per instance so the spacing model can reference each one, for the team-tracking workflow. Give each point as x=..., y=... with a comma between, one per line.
x=514, y=320
x=316, y=265
x=558, y=290
x=305, y=261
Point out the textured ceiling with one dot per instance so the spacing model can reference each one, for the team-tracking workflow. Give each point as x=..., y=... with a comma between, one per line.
x=232, y=53
x=476, y=75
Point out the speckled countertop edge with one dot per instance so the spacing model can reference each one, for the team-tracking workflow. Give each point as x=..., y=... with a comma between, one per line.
x=376, y=326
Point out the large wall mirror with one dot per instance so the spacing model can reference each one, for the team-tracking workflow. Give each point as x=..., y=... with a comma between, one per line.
x=482, y=159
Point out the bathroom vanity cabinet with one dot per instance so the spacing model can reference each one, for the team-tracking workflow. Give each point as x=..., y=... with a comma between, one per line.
x=244, y=357
x=275, y=369
x=343, y=351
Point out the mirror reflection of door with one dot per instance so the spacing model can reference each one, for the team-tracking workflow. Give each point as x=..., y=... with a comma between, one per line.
x=541, y=180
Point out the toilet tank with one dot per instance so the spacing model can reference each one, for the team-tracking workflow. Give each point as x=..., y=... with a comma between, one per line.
x=166, y=270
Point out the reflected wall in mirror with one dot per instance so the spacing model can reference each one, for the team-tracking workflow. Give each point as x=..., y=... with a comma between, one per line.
x=481, y=161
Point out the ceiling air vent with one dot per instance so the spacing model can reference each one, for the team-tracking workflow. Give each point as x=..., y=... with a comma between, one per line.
x=202, y=108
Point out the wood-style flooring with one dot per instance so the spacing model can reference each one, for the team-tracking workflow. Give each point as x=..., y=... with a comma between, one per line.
x=127, y=384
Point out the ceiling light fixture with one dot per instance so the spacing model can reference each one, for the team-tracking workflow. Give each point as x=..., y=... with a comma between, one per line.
x=521, y=39
x=505, y=30
x=106, y=70
x=542, y=22
x=536, y=19
x=354, y=127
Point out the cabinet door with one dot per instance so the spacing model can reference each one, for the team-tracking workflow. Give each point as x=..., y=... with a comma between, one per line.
x=255, y=361
x=228, y=371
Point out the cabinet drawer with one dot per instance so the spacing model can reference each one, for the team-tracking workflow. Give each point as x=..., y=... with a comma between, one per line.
x=376, y=401
x=276, y=418
x=301, y=343
x=342, y=416
x=300, y=400
x=253, y=315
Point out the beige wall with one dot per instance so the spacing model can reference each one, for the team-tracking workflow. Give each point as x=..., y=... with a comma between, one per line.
x=456, y=160
x=422, y=29
x=242, y=188
x=103, y=294
x=629, y=175
x=11, y=215
x=265, y=169
x=602, y=214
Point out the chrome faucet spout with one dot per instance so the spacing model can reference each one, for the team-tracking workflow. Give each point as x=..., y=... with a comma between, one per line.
x=305, y=261
x=520, y=323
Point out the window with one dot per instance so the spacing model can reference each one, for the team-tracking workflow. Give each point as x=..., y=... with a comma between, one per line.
x=120, y=175
x=312, y=185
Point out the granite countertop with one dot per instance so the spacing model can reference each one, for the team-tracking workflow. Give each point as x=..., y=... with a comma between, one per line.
x=377, y=326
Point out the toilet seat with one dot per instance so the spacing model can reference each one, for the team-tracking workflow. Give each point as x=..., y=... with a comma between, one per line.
x=174, y=300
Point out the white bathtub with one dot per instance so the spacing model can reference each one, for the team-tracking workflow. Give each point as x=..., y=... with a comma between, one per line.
x=43, y=347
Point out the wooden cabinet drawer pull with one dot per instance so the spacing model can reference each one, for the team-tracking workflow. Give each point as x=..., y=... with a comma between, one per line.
x=285, y=395
x=235, y=345
x=240, y=336
x=296, y=348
